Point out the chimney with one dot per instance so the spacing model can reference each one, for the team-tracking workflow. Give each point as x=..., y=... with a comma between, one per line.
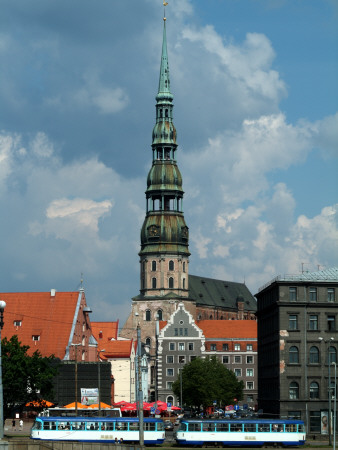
x=52, y=292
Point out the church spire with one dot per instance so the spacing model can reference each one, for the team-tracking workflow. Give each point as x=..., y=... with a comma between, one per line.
x=164, y=236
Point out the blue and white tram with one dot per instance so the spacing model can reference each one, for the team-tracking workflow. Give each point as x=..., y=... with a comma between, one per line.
x=237, y=432
x=98, y=429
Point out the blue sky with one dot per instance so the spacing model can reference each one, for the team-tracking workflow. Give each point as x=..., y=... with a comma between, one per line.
x=255, y=94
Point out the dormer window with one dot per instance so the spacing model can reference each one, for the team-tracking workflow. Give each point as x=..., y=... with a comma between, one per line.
x=17, y=323
x=36, y=337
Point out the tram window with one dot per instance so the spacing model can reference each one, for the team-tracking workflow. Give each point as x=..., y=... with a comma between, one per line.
x=160, y=426
x=46, y=425
x=150, y=426
x=194, y=426
x=208, y=427
x=235, y=427
x=110, y=425
x=222, y=426
x=291, y=427
x=122, y=426
x=52, y=425
x=264, y=427
x=91, y=425
x=182, y=427
x=133, y=426
x=301, y=428
x=250, y=427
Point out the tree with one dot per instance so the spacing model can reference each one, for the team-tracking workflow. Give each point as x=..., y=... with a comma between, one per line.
x=25, y=378
x=207, y=380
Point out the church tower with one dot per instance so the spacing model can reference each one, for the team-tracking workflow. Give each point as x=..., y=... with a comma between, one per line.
x=164, y=254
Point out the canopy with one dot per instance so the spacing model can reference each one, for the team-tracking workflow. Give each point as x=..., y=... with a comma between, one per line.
x=96, y=405
x=73, y=406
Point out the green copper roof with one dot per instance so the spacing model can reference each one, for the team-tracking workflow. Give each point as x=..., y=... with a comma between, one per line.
x=164, y=82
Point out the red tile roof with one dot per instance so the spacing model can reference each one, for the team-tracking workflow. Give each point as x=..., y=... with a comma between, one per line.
x=41, y=314
x=231, y=329
x=117, y=349
x=105, y=331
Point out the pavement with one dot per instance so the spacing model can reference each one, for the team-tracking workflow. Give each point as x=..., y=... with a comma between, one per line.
x=9, y=430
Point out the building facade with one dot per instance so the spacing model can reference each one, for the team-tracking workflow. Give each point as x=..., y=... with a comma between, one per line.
x=297, y=339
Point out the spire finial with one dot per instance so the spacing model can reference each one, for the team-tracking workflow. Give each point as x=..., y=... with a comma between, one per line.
x=164, y=4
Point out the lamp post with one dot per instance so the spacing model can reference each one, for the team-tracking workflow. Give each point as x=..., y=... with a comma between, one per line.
x=2, y=308
x=329, y=341
x=140, y=393
x=99, y=378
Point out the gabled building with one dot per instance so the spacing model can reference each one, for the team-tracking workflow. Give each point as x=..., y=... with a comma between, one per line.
x=55, y=323
x=297, y=346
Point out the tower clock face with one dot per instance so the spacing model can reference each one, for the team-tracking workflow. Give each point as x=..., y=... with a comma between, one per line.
x=153, y=230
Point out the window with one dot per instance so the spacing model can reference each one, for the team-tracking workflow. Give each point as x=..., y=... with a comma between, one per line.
x=250, y=385
x=225, y=347
x=249, y=347
x=159, y=314
x=293, y=355
x=148, y=342
x=170, y=359
x=181, y=359
x=313, y=322
x=184, y=267
x=192, y=358
x=183, y=283
x=213, y=347
x=148, y=315
x=35, y=337
x=293, y=322
x=171, y=346
x=169, y=385
x=313, y=294
x=315, y=421
x=225, y=359
x=249, y=359
x=237, y=359
x=181, y=346
x=292, y=294
x=238, y=372
x=191, y=346
x=314, y=355
x=295, y=415
x=330, y=294
x=170, y=372
x=237, y=347
x=314, y=390
x=153, y=266
x=171, y=265
x=153, y=283
x=293, y=391
x=171, y=282
x=249, y=372
x=331, y=323
x=17, y=323
x=332, y=355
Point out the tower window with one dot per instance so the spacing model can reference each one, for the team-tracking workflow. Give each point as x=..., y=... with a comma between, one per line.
x=148, y=342
x=148, y=315
x=171, y=283
x=183, y=283
x=153, y=266
x=153, y=283
x=159, y=314
x=171, y=265
x=184, y=267
x=166, y=113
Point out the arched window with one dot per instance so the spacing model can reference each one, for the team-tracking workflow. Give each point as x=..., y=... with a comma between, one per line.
x=183, y=283
x=153, y=266
x=171, y=265
x=148, y=315
x=314, y=355
x=293, y=391
x=159, y=314
x=148, y=342
x=332, y=355
x=170, y=399
x=153, y=283
x=314, y=390
x=184, y=267
x=166, y=113
x=171, y=282
x=293, y=355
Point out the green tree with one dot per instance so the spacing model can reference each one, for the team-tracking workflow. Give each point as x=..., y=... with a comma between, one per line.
x=205, y=380
x=25, y=378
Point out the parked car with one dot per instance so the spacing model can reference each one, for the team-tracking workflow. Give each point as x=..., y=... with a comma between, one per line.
x=168, y=426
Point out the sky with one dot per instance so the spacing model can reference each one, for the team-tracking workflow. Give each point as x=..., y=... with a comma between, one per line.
x=255, y=95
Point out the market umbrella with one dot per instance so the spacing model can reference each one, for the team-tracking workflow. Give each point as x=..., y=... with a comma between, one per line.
x=96, y=405
x=39, y=403
x=73, y=406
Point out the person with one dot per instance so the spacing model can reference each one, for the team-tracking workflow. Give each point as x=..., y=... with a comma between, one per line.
x=21, y=424
x=13, y=424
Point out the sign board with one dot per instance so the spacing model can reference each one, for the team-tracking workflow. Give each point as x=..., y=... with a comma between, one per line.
x=89, y=396
x=152, y=410
x=236, y=407
x=169, y=405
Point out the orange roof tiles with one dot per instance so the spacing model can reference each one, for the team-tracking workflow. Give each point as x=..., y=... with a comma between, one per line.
x=232, y=329
x=47, y=317
x=105, y=331
x=117, y=349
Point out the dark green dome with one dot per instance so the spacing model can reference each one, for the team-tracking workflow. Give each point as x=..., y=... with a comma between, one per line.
x=164, y=177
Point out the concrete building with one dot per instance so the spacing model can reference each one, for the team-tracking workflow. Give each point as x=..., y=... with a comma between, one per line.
x=297, y=338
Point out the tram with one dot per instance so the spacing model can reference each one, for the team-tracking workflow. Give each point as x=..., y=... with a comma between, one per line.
x=98, y=429
x=241, y=432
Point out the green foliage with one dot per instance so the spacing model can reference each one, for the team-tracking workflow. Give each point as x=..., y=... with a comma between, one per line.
x=25, y=378
x=206, y=380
